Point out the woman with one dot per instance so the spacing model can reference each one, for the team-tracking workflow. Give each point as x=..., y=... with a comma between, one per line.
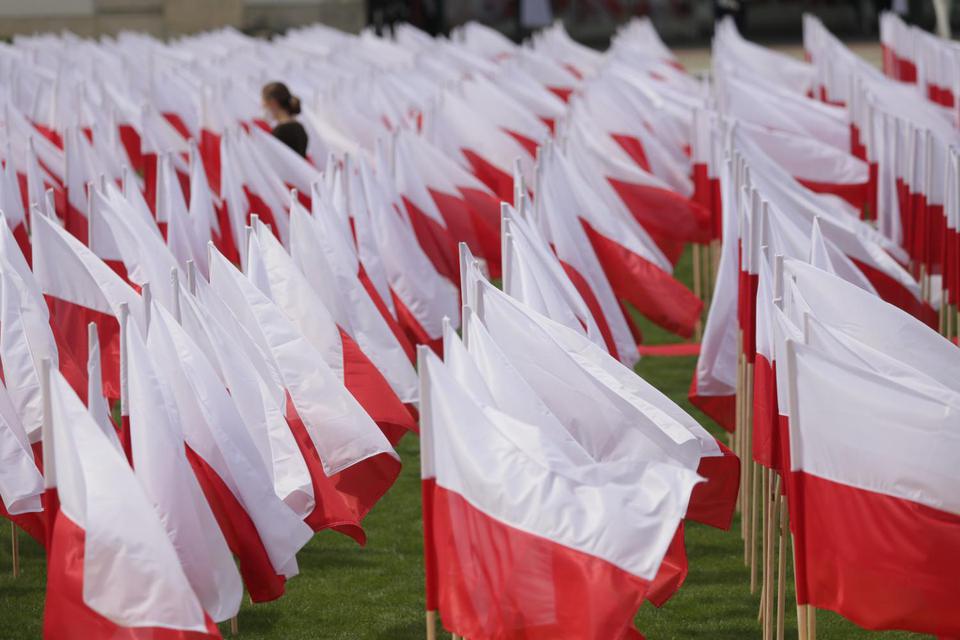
x=282, y=106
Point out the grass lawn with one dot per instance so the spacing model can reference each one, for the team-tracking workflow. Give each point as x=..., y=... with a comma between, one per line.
x=376, y=593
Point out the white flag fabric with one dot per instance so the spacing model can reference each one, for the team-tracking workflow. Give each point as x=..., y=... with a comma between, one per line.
x=161, y=466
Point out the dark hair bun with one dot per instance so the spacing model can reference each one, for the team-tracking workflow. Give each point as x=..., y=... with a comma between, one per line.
x=279, y=92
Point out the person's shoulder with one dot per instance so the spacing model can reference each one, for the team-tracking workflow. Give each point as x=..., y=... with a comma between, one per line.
x=292, y=125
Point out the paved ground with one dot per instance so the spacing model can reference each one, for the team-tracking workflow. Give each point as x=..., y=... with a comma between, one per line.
x=698, y=58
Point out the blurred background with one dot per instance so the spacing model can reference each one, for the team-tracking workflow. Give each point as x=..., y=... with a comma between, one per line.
x=592, y=21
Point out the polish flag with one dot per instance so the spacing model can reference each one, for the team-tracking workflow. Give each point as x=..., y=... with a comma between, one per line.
x=26, y=336
x=111, y=569
x=369, y=267
x=332, y=275
x=856, y=519
x=11, y=203
x=651, y=139
x=533, y=275
x=203, y=212
x=158, y=137
x=145, y=256
x=562, y=228
x=236, y=206
x=504, y=566
x=870, y=320
x=331, y=426
x=255, y=387
x=636, y=269
x=505, y=112
x=160, y=463
x=97, y=404
x=436, y=232
x=586, y=366
x=664, y=208
x=421, y=293
x=775, y=108
x=187, y=237
x=466, y=206
x=34, y=180
x=773, y=68
x=21, y=484
x=538, y=99
x=265, y=191
x=705, y=166
x=80, y=171
x=25, y=136
x=25, y=341
x=713, y=386
x=486, y=372
x=263, y=533
x=468, y=135
x=766, y=409
x=560, y=80
x=817, y=166
x=275, y=273
x=350, y=250
x=80, y=289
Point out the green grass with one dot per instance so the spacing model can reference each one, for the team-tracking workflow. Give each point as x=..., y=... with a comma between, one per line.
x=376, y=593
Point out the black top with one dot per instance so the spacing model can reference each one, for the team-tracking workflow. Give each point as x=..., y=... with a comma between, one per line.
x=293, y=135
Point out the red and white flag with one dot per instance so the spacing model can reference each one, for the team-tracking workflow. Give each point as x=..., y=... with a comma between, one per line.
x=422, y=294
x=857, y=518
x=508, y=562
x=111, y=568
x=274, y=272
x=330, y=424
x=255, y=387
x=160, y=463
x=21, y=484
x=262, y=531
x=533, y=275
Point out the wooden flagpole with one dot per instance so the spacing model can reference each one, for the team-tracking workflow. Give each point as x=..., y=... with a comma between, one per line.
x=773, y=492
x=15, y=549
x=764, y=547
x=756, y=477
x=431, y=625
x=782, y=569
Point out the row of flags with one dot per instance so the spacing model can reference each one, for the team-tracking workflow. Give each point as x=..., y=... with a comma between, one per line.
x=273, y=325
x=826, y=349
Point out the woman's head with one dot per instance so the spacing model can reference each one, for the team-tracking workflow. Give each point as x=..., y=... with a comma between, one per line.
x=279, y=102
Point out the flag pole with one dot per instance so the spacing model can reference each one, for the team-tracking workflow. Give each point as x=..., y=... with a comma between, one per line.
x=431, y=625
x=50, y=504
x=423, y=393
x=15, y=549
x=192, y=277
x=175, y=281
x=782, y=570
